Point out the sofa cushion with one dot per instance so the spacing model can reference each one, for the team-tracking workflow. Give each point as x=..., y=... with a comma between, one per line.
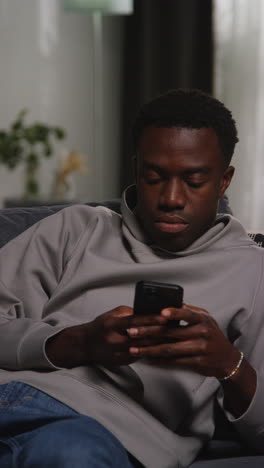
x=13, y=221
x=258, y=238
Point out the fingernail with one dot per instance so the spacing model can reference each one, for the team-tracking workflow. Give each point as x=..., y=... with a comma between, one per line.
x=134, y=350
x=166, y=313
x=132, y=331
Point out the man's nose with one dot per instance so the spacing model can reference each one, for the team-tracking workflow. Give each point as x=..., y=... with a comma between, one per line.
x=173, y=195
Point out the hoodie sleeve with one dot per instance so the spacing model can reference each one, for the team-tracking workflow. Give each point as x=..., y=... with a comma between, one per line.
x=250, y=425
x=31, y=267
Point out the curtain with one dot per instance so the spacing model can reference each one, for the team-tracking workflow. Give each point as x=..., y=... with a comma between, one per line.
x=167, y=44
x=239, y=83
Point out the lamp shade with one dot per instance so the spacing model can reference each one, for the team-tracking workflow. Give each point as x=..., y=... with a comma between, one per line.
x=116, y=7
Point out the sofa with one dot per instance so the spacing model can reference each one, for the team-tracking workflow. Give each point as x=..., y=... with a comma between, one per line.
x=225, y=450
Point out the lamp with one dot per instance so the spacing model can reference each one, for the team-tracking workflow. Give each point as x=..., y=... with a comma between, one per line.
x=116, y=7
x=97, y=8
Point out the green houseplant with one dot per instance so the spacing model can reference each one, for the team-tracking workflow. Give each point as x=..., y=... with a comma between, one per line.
x=27, y=144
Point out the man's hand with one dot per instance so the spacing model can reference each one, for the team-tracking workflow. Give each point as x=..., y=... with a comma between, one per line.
x=202, y=347
x=103, y=341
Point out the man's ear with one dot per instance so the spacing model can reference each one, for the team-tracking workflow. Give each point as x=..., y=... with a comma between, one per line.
x=226, y=179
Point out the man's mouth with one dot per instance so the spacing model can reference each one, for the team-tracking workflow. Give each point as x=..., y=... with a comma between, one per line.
x=171, y=224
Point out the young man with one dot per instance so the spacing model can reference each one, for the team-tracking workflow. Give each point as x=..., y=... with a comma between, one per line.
x=84, y=381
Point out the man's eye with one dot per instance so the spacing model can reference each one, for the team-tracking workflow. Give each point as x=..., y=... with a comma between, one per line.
x=194, y=184
x=152, y=178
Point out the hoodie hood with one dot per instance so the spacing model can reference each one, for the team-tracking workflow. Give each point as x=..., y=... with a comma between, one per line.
x=226, y=231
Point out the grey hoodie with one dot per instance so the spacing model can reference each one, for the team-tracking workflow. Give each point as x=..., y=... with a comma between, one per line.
x=81, y=262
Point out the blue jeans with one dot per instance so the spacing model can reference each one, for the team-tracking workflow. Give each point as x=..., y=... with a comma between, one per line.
x=38, y=431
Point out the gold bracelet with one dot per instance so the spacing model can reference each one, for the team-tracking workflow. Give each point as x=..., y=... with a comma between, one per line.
x=236, y=368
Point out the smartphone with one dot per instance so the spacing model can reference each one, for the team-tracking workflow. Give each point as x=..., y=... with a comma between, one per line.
x=151, y=297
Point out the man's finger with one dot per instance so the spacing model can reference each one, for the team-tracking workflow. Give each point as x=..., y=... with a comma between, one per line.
x=190, y=314
x=190, y=362
x=121, y=311
x=169, y=350
x=125, y=323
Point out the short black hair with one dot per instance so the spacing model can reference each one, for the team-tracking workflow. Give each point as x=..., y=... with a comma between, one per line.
x=188, y=108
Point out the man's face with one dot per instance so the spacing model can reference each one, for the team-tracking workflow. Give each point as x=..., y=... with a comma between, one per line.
x=180, y=176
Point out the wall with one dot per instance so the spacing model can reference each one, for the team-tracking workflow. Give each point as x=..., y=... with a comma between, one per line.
x=47, y=66
x=239, y=83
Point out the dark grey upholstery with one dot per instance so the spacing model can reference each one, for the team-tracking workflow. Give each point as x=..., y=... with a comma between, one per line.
x=13, y=221
x=225, y=450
